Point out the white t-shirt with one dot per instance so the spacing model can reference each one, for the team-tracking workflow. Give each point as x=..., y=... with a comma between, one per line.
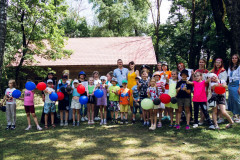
x=47, y=99
x=96, y=82
x=8, y=93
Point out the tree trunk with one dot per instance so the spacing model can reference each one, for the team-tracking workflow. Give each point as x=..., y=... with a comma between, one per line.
x=233, y=12
x=3, y=31
x=192, y=54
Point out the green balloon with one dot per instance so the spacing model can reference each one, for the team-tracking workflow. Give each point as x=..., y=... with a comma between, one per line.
x=147, y=104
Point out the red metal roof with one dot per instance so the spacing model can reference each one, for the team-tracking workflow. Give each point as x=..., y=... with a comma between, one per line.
x=105, y=51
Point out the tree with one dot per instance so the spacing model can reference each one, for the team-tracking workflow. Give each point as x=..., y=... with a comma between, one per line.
x=35, y=25
x=3, y=31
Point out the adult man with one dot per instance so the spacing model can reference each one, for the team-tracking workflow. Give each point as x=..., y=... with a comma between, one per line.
x=120, y=73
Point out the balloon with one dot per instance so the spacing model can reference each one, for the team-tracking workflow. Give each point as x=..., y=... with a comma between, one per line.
x=147, y=104
x=60, y=96
x=219, y=89
x=165, y=98
x=16, y=93
x=98, y=93
x=81, y=89
x=41, y=86
x=173, y=100
x=68, y=88
x=53, y=96
x=156, y=101
x=83, y=99
x=30, y=86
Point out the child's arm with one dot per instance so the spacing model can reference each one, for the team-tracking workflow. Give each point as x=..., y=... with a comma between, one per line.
x=148, y=93
x=189, y=82
x=4, y=99
x=166, y=77
x=187, y=90
x=208, y=80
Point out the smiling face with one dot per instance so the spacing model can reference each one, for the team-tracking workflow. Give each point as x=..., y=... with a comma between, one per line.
x=198, y=77
x=131, y=66
x=96, y=76
x=90, y=81
x=164, y=68
x=234, y=59
x=202, y=64
x=180, y=67
x=156, y=77
x=174, y=75
x=109, y=78
x=159, y=66
x=75, y=85
x=184, y=77
x=214, y=79
x=103, y=81
x=82, y=76
x=144, y=75
x=50, y=76
x=152, y=83
x=218, y=64
x=119, y=63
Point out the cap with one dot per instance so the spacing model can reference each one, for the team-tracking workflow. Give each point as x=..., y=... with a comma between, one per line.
x=75, y=81
x=125, y=81
x=114, y=79
x=49, y=81
x=145, y=66
x=64, y=77
x=138, y=77
x=82, y=73
x=165, y=63
x=156, y=74
x=103, y=78
x=184, y=72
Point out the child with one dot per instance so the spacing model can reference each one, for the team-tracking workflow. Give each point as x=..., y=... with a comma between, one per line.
x=142, y=87
x=75, y=105
x=114, y=99
x=183, y=98
x=200, y=99
x=102, y=102
x=49, y=106
x=91, y=100
x=220, y=100
x=63, y=105
x=172, y=93
x=153, y=93
x=124, y=101
x=10, y=105
x=29, y=108
x=160, y=83
x=136, y=100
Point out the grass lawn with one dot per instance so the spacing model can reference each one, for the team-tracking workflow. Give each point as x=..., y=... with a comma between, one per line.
x=115, y=142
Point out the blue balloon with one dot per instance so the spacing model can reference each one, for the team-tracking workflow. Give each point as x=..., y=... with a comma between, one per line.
x=30, y=86
x=83, y=99
x=16, y=93
x=98, y=93
x=53, y=96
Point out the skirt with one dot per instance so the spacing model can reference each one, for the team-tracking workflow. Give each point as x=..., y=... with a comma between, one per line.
x=234, y=97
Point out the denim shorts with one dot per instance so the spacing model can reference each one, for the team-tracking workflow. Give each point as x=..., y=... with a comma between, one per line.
x=137, y=106
x=49, y=107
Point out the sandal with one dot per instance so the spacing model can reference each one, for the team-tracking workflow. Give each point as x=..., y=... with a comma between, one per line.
x=53, y=125
x=46, y=126
x=229, y=125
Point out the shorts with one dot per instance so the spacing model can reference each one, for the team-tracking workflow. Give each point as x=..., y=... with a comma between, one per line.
x=113, y=106
x=49, y=107
x=137, y=106
x=63, y=105
x=29, y=109
x=182, y=102
x=221, y=100
x=124, y=108
x=75, y=104
x=91, y=99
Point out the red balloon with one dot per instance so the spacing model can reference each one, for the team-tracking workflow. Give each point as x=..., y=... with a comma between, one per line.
x=219, y=89
x=165, y=98
x=60, y=96
x=41, y=86
x=81, y=89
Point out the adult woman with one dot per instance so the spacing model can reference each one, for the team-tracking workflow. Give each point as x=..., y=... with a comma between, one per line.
x=202, y=68
x=132, y=74
x=158, y=68
x=50, y=75
x=234, y=87
x=181, y=67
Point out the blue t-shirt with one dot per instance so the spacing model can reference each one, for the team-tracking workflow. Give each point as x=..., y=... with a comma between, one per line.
x=75, y=93
x=62, y=88
x=135, y=92
x=120, y=74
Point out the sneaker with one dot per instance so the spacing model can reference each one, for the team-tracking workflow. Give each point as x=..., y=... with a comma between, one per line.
x=66, y=124
x=145, y=123
x=187, y=127
x=212, y=127
x=82, y=119
x=73, y=123
x=105, y=122
x=98, y=118
x=86, y=119
x=13, y=127
x=78, y=123
x=195, y=125
x=237, y=120
x=61, y=124
x=175, y=125
x=200, y=123
x=92, y=122
x=39, y=128
x=148, y=123
x=101, y=123
x=221, y=120
x=89, y=122
x=28, y=128
x=116, y=121
x=126, y=121
x=178, y=127
x=159, y=124
x=217, y=127
x=8, y=127
x=121, y=122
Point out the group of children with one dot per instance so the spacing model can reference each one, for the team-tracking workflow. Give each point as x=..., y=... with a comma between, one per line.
x=119, y=100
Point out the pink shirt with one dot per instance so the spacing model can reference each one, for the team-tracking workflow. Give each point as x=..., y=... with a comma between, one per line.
x=28, y=98
x=199, y=94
